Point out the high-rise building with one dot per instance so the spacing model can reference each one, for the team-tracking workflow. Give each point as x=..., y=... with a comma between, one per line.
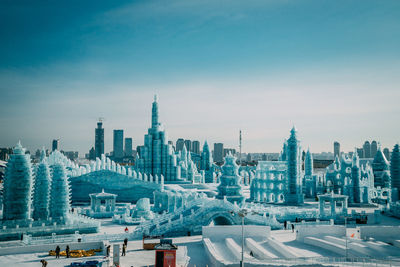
x=374, y=148
x=336, y=149
x=367, y=149
x=218, y=152
x=179, y=144
x=128, y=147
x=99, y=140
x=196, y=147
x=118, y=144
x=386, y=152
x=55, y=145
x=188, y=145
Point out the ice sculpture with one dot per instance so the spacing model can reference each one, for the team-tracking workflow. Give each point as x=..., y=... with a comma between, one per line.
x=350, y=177
x=230, y=179
x=60, y=193
x=395, y=171
x=157, y=156
x=41, y=196
x=380, y=167
x=295, y=191
x=142, y=209
x=308, y=164
x=18, y=182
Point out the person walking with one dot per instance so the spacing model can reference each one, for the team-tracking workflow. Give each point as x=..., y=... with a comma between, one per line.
x=126, y=242
x=58, y=252
x=108, y=250
x=292, y=228
x=123, y=250
x=67, y=251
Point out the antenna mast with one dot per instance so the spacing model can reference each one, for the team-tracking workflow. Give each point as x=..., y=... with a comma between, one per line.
x=240, y=147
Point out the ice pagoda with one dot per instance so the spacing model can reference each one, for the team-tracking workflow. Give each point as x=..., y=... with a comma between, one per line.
x=230, y=187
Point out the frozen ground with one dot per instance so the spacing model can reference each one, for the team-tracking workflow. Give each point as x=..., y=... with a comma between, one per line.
x=190, y=249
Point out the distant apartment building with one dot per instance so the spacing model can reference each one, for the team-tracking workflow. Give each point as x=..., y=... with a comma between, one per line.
x=118, y=145
x=188, y=145
x=374, y=148
x=99, y=140
x=196, y=147
x=218, y=152
x=367, y=150
x=179, y=144
x=336, y=149
x=72, y=155
x=128, y=147
x=55, y=145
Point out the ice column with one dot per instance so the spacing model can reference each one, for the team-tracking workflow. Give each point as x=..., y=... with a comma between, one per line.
x=41, y=195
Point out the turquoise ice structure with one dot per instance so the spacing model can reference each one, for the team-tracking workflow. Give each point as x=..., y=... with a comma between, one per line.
x=230, y=187
x=60, y=194
x=18, y=182
x=280, y=181
x=45, y=215
x=157, y=156
x=41, y=195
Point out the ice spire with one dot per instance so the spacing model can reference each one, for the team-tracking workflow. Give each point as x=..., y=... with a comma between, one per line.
x=308, y=163
x=41, y=195
x=18, y=182
x=154, y=113
x=59, y=197
x=43, y=154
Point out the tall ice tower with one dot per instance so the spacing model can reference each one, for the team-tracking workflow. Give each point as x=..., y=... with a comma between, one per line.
x=156, y=156
x=293, y=156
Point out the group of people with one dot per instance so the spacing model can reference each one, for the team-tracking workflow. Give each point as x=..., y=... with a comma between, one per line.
x=58, y=250
x=124, y=247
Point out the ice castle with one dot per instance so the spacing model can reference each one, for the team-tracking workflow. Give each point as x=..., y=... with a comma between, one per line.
x=280, y=181
x=157, y=156
x=351, y=177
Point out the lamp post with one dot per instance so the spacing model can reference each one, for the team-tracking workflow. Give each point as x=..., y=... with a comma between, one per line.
x=242, y=213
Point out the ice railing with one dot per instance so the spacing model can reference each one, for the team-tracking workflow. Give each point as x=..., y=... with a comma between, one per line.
x=193, y=214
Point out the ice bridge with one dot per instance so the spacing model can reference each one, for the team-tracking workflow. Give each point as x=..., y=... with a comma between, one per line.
x=201, y=212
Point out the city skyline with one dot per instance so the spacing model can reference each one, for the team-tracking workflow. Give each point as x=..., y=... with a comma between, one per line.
x=330, y=69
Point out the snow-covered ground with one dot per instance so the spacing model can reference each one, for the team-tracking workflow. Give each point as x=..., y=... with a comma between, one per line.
x=190, y=251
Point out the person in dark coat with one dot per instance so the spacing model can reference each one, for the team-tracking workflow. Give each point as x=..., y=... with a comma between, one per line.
x=292, y=228
x=126, y=242
x=108, y=250
x=285, y=224
x=123, y=250
x=58, y=252
x=44, y=263
x=67, y=251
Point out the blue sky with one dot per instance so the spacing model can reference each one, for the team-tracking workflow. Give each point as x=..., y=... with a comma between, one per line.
x=329, y=67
